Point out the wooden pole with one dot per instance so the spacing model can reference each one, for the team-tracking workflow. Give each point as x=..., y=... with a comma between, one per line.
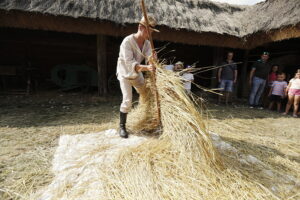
x=101, y=65
x=153, y=53
x=243, y=79
x=147, y=26
x=217, y=59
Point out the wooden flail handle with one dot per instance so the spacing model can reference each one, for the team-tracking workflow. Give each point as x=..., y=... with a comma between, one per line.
x=153, y=53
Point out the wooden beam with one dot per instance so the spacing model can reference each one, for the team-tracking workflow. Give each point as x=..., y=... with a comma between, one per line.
x=217, y=60
x=102, y=65
x=243, y=79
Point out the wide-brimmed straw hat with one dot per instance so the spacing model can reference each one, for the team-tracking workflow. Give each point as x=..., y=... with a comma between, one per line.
x=152, y=22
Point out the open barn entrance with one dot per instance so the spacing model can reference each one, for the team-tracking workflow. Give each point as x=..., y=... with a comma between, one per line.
x=285, y=54
x=33, y=61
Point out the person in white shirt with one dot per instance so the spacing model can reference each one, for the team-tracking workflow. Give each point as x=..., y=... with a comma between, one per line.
x=293, y=91
x=134, y=49
x=169, y=67
x=188, y=79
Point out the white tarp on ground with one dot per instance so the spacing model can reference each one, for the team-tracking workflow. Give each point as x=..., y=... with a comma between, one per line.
x=79, y=158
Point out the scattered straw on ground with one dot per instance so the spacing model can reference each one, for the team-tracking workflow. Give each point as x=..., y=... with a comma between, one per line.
x=160, y=170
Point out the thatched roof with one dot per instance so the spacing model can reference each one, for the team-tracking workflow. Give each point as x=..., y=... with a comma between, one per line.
x=270, y=15
x=200, y=16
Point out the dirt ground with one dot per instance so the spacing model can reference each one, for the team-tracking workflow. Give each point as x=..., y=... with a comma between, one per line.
x=31, y=125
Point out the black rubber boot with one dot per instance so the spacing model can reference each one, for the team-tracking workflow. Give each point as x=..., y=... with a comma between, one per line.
x=122, y=131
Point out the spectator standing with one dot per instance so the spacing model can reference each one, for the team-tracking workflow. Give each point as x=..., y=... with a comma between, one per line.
x=271, y=78
x=169, y=67
x=258, y=76
x=273, y=75
x=277, y=91
x=188, y=78
x=227, y=76
x=298, y=71
x=178, y=66
x=293, y=91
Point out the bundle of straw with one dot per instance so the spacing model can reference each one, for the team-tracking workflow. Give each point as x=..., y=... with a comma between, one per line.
x=181, y=121
x=181, y=163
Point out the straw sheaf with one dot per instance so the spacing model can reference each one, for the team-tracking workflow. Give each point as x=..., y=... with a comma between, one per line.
x=181, y=163
x=191, y=15
x=181, y=121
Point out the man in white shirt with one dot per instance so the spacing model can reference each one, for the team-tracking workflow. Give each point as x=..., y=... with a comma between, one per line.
x=134, y=49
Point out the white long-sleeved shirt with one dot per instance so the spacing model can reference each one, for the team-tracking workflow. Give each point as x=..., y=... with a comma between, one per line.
x=188, y=79
x=131, y=55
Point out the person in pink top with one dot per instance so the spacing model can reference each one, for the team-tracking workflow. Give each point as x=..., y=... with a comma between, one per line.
x=293, y=91
x=273, y=75
x=277, y=91
x=298, y=71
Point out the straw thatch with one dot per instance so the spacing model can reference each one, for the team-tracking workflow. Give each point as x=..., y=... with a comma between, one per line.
x=273, y=20
x=199, y=16
x=270, y=15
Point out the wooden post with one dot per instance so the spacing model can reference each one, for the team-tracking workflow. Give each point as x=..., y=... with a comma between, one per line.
x=217, y=59
x=101, y=65
x=243, y=80
x=153, y=52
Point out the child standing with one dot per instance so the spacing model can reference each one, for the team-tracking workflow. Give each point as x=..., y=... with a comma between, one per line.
x=293, y=91
x=277, y=91
x=186, y=76
x=188, y=79
x=272, y=75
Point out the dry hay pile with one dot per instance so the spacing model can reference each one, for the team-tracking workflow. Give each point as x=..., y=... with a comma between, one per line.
x=182, y=161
